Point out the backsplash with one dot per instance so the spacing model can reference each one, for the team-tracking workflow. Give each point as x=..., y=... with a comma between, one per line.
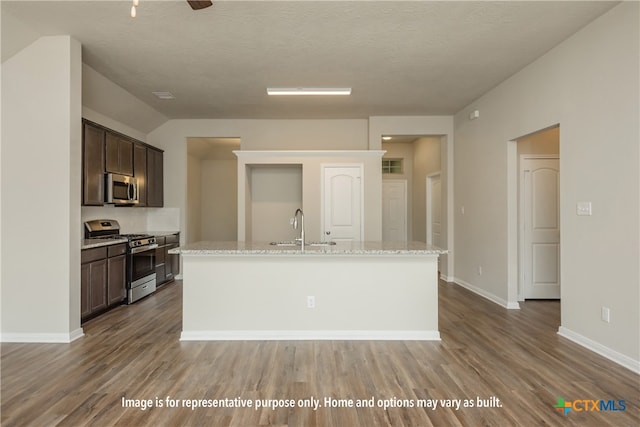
x=135, y=220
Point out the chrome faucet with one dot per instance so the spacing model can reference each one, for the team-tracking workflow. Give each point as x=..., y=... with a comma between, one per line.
x=295, y=225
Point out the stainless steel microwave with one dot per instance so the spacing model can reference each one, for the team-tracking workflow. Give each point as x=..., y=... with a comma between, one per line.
x=120, y=189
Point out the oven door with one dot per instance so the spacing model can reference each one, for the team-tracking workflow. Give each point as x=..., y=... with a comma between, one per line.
x=142, y=262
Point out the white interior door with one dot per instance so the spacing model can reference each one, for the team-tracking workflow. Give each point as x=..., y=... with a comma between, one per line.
x=342, y=203
x=540, y=227
x=394, y=210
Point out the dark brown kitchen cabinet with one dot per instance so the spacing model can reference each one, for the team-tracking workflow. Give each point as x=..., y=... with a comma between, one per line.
x=93, y=281
x=93, y=140
x=167, y=265
x=107, y=151
x=118, y=154
x=102, y=279
x=140, y=171
x=155, y=176
x=116, y=274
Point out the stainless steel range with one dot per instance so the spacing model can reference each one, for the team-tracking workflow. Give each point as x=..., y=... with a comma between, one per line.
x=141, y=256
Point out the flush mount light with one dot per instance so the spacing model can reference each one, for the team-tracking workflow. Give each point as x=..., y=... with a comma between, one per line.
x=164, y=95
x=308, y=91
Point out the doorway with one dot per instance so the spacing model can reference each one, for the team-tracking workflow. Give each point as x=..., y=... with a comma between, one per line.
x=212, y=207
x=342, y=202
x=394, y=210
x=539, y=227
x=538, y=214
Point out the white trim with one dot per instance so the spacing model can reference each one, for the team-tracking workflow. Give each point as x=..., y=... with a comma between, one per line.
x=619, y=358
x=258, y=335
x=307, y=153
x=42, y=338
x=448, y=279
x=513, y=305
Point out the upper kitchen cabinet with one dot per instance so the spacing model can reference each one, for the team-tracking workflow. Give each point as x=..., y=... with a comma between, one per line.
x=93, y=165
x=107, y=151
x=155, y=176
x=119, y=154
x=140, y=171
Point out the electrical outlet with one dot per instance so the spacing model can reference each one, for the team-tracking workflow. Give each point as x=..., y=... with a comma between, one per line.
x=605, y=314
x=311, y=301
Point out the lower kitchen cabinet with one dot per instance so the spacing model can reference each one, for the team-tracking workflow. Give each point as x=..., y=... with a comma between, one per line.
x=167, y=265
x=103, y=278
x=93, y=287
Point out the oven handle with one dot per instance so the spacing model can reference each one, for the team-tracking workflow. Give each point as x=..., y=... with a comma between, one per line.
x=143, y=248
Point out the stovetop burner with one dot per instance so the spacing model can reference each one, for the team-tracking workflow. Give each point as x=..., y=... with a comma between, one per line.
x=110, y=229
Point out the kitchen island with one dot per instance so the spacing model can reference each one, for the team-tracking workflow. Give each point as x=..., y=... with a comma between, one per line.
x=351, y=290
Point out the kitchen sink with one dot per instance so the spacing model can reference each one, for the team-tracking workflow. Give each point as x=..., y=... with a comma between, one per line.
x=291, y=243
x=284, y=244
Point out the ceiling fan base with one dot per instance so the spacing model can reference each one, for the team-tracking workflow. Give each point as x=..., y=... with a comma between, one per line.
x=199, y=4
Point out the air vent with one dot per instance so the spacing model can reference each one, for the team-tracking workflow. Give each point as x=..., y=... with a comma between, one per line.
x=164, y=95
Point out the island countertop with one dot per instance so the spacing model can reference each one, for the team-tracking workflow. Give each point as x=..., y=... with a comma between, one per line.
x=340, y=248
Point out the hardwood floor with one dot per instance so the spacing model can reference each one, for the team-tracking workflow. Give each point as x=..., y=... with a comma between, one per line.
x=486, y=352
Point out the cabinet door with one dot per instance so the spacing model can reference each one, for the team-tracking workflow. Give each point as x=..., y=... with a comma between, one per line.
x=118, y=154
x=160, y=263
x=85, y=292
x=117, y=276
x=140, y=172
x=172, y=262
x=93, y=143
x=98, y=285
x=155, y=176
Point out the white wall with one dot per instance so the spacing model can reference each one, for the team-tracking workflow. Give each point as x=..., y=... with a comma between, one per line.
x=41, y=180
x=112, y=106
x=193, y=215
x=275, y=192
x=219, y=209
x=589, y=85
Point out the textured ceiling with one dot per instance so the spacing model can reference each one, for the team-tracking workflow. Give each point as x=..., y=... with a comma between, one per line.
x=400, y=58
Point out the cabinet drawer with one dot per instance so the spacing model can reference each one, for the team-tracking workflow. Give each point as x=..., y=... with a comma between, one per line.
x=116, y=250
x=173, y=238
x=160, y=240
x=93, y=254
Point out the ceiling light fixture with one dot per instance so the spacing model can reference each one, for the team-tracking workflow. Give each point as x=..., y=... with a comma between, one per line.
x=386, y=138
x=308, y=91
x=133, y=8
x=164, y=95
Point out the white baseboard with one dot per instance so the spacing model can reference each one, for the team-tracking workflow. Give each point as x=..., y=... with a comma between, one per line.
x=614, y=356
x=42, y=338
x=257, y=335
x=487, y=295
x=446, y=278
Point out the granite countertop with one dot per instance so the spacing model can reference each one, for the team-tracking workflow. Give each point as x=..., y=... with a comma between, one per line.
x=341, y=248
x=98, y=243
x=162, y=233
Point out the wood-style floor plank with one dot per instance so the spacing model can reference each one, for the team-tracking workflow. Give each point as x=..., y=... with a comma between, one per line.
x=134, y=352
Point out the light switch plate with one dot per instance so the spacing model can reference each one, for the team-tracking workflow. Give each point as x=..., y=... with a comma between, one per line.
x=583, y=208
